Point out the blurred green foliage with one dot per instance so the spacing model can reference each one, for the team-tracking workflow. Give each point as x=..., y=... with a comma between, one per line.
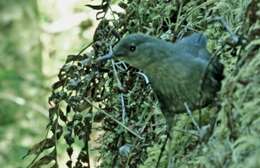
x=20, y=81
x=31, y=51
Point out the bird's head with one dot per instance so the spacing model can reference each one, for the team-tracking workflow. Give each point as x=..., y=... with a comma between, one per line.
x=134, y=49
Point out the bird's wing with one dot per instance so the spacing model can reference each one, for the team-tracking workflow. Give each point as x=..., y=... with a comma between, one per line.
x=176, y=81
x=197, y=39
x=195, y=45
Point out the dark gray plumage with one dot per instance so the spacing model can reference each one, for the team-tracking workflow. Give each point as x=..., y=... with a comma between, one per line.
x=176, y=70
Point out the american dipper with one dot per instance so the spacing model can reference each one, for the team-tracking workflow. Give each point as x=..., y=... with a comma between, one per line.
x=181, y=73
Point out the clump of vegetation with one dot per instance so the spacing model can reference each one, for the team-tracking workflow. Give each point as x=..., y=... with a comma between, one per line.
x=117, y=96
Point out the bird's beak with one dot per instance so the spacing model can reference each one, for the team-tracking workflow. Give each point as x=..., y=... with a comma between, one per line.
x=111, y=54
x=107, y=56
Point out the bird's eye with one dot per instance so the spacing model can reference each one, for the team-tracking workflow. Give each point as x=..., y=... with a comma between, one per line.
x=132, y=48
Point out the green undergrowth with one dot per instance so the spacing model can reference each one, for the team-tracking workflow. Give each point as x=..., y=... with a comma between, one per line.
x=113, y=95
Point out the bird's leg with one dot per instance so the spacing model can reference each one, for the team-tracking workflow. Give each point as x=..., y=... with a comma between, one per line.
x=170, y=151
x=162, y=150
x=170, y=156
x=192, y=119
x=168, y=137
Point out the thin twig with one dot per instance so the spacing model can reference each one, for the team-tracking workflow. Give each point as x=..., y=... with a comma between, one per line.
x=120, y=86
x=116, y=75
x=123, y=107
x=185, y=132
x=178, y=18
x=118, y=122
x=144, y=76
x=84, y=48
x=226, y=26
x=121, y=65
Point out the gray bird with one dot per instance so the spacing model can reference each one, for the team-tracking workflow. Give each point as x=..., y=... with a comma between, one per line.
x=180, y=72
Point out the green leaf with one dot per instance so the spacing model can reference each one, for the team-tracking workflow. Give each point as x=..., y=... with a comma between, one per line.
x=45, y=160
x=42, y=145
